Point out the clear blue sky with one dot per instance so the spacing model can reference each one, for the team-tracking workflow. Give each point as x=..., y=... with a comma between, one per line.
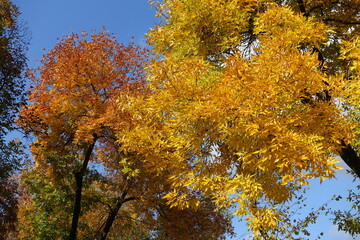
x=49, y=20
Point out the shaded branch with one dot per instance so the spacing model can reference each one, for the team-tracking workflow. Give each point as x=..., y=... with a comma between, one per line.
x=341, y=21
x=112, y=214
x=79, y=178
x=350, y=157
x=302, y=8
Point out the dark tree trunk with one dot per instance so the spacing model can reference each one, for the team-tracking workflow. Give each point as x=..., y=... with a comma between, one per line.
x=350, y=157
x=112, y=215
x=79, y=177
x=302, y=8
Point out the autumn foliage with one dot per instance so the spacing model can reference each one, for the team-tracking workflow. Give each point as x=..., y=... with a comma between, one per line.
x=246, y=103
x=237, y=106
x=77, y=110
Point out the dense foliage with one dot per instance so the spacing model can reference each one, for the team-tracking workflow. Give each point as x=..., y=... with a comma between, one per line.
x=13, y=43
x=77, y=108
x=237, y=106
x=257, y=97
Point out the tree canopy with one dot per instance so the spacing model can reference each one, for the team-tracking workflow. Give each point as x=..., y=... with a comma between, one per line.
x=77, y=107
x=237, y=105
x=251, y=99
x=13, y=44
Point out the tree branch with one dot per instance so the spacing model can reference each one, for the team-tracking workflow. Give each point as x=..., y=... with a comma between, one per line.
x=341, y=21
x=112, y=214
x=350, y=157
x=79, y=177
x=302, y=8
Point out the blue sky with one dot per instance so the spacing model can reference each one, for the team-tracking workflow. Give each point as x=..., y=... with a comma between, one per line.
x=317, y=195
x=49, y=20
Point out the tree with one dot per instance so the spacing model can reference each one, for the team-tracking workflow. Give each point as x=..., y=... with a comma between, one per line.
x=250, y=100
x=78, y=104
x=69, y=102
x=13, y=44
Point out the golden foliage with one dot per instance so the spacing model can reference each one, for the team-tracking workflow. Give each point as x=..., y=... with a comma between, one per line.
x=248, y=131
